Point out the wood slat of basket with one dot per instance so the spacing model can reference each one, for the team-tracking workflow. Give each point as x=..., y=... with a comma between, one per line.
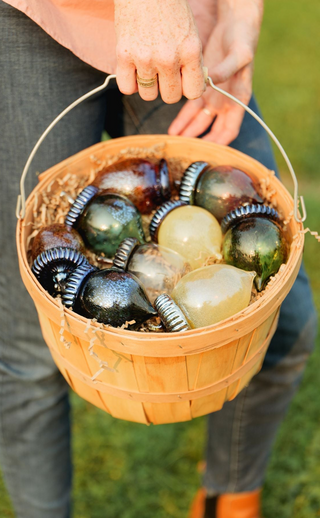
x=163, y=365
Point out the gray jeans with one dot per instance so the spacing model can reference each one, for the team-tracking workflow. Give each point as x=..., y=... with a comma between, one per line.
x=38, y=79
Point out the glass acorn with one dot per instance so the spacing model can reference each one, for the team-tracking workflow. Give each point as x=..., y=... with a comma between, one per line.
x=56, y=235
x=103, y=220
x=112, y=296
x=218, y=189
x=255, y=241
x=191, y=231
x=146, y=184
x=158, y=268
x=52, y=267
x=205, y=296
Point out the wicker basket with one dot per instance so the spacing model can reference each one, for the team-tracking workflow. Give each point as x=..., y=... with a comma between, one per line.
x=150, y=377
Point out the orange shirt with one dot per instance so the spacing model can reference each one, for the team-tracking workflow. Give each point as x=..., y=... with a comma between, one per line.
x=86, y=27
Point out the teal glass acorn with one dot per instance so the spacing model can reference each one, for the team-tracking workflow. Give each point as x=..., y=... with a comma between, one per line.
x=218, y=189
x=111, y=296
x=104, y=220
x=255, y=241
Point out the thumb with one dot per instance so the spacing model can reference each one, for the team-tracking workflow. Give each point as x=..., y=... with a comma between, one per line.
x=235, y=60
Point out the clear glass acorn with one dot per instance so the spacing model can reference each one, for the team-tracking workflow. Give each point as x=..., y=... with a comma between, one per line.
x=158, y=268
x=218, y=189
x=111, y=296
x=255, y=241
x=104, y=220
x=191, y=231
x=146, y=184
x=205, y=297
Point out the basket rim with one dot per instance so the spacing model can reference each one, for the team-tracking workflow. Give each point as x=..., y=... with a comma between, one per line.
x=256, y=307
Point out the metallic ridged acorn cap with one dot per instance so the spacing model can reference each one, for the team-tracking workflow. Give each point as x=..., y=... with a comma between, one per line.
x=80, y=204
x=248, y=211
x=70, y=293
x=161, y=213
x=53, y=266
x=124, y=252
x=189, y=180
x=171, y=315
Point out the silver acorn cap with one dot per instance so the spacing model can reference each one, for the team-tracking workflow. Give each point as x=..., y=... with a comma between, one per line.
x=80, y=204
x=248, y=211
x=189, y=181
x=70, y=293
x=161, y=213
x=124, y=252
x=52, y=267
x=171, y=315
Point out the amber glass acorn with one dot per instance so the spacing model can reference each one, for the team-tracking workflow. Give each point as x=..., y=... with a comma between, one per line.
x=56, y=235
x=146, y=184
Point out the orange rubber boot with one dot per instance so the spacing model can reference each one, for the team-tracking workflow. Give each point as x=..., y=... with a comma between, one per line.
x=230, y=505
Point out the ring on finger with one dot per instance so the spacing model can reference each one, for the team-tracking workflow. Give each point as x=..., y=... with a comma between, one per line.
x=147, y=83
x=207, y=111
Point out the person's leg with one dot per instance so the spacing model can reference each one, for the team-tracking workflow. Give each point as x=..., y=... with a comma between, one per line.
x=38, y=79
x=241, y=435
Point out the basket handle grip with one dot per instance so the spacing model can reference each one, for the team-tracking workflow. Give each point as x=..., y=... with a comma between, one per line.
x=21, y=200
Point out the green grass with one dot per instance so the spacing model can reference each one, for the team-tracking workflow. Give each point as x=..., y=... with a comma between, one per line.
x=131, y=471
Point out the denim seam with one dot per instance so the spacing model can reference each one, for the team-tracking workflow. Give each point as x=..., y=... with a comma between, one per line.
x=235, y=444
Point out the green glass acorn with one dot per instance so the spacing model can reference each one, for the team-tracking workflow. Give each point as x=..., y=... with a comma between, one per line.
x=255, y=241
x=104, y=220
x=218, y=189
x=112, y=296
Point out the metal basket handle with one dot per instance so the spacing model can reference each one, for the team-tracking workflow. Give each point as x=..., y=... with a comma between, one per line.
x=21, y=201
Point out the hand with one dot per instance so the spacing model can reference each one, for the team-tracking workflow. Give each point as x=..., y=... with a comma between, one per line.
x=158, y=37
x=229, y=56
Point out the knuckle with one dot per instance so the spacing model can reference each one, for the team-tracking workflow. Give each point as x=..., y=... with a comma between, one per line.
x=144, y=58
x=123, y=54
x=246, y=54
x=192, y=49
x=167, y=60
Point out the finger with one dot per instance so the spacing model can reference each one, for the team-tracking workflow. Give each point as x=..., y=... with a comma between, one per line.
x=170, y=82
x=200, y=123
x=185, y=115
x=147, y=75
x=193, y=80
x=126, y=77
x=234, y=61
x=226, y=127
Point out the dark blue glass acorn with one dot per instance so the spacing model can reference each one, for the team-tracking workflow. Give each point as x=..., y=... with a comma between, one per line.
x=112, y=296
x=146, y=184
x=103, y=220
x=255, y=241
x=218, y=189
x=52, y=267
